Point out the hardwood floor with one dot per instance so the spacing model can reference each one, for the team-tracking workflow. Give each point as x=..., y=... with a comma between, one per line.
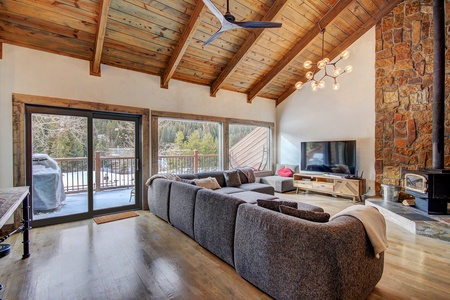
x=145, y=258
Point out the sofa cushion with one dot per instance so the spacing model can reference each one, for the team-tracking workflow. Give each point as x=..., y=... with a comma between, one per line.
x=214, y=223
x=285, y=172
x=252, y=197
x=216, y=174
x=158, y=197
x=275, y=204
x=313, y=216
x=258, y=187
x=246, y=175
x=280, y=184
x=306, y=206
x=181, y=209
x=232, y=178
x=228, y=190
x=207, y=183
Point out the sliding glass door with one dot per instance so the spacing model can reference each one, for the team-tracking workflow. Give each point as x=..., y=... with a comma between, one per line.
x=81, y=163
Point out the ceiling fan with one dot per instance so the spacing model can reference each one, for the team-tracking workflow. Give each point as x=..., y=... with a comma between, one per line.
x=228, y=23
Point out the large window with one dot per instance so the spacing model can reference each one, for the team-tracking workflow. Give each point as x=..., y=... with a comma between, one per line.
x=184, y=144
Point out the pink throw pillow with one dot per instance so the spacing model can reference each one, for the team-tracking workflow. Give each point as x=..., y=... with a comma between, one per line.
x=285, y=172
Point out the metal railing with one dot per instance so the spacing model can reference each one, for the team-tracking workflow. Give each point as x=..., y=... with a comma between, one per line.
x=188, y=164
x=109, y=172
x=119, y=172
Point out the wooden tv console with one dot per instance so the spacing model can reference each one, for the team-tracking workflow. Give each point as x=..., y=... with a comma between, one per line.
x=330, y=184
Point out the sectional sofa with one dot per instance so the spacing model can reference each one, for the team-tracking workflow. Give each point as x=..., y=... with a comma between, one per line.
x=286, y=257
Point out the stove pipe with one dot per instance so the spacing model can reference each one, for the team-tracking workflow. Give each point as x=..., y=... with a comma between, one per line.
x=439, y=84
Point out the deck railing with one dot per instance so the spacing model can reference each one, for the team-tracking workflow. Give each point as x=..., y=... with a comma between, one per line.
x=109, y=172
x=119, y=172
x=188, y=164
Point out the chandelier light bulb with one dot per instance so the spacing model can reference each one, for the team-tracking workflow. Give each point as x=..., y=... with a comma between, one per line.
x=326, y=60
x=307, y=64
x=314, y=88
x=321, y=84
x=348, y=69
x=345, y=54
x=337, y=71
x=321, y=64
x=336, y=86
x=309, y=75
x=299, y=85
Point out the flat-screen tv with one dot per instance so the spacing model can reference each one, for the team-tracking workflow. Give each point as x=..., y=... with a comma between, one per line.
x=332, y=157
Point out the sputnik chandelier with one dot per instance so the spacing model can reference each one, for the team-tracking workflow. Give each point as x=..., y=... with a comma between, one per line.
x=324, y=65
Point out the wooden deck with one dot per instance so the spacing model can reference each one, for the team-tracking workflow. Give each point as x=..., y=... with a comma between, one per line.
x=145, y=258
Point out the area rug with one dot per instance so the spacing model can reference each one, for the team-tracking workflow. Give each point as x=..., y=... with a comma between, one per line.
x=115, y=217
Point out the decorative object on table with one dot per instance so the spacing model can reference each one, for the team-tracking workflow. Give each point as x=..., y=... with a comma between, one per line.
x=319, y=83
x=227, y=22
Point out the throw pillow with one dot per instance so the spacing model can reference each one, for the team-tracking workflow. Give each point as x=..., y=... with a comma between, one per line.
x=246, y=175
x=207, y=183
x=313, y=216
x=188, y=181
x=285, y=172
x=294, y=168
x=275, y=204
x=232, y=178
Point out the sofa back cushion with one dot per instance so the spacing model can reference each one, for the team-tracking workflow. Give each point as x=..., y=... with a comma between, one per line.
x=158, y=197
x=216, y=174
x=214, y=223
x=246, y=175
x=181, y=208
x=232, y=178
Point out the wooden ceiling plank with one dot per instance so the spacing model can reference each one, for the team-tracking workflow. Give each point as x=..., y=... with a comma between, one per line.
x=100, y=38
x=252, y=39
x=30, y=11
x=350, y=40
x=298, y=48
x=183, y=43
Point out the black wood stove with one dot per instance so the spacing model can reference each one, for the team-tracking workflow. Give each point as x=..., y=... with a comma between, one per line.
x=430, y=187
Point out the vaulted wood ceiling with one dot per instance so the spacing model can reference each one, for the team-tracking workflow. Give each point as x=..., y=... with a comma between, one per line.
x=165, y=37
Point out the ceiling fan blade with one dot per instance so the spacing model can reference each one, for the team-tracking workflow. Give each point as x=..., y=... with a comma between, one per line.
x=212, y=38
x=214, y=10
x=258, y=24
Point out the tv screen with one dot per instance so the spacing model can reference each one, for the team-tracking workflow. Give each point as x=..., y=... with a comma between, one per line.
x=333, y=157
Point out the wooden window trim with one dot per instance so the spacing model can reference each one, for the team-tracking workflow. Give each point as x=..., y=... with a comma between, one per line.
x=225, y=133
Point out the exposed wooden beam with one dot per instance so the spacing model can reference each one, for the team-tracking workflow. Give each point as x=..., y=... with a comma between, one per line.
x=183, y=43
x=100, y=38
x=274, y=11
x=350, y=40
x=298, y=48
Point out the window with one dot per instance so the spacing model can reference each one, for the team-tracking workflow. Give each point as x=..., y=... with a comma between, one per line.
x=185, y=143
x=249, y=147
x=188, y=146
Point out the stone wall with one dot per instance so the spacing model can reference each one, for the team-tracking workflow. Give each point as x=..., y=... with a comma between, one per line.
x=404, y=90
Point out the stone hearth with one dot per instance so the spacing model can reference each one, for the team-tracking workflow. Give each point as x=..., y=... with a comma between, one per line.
x=414, y=220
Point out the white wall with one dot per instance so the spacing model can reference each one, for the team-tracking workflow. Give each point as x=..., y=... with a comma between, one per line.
x=348, y=113
x=34, y=72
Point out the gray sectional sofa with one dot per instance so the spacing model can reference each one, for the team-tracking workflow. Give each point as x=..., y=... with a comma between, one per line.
x=286, y=257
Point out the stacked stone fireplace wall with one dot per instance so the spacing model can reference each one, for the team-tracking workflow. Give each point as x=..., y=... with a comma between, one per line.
x=404, y=90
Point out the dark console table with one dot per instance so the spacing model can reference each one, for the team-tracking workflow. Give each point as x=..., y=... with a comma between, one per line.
x=10, y=199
